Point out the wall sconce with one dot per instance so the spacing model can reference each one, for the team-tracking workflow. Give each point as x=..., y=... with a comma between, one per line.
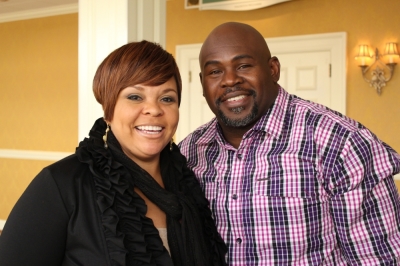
x=378, y=79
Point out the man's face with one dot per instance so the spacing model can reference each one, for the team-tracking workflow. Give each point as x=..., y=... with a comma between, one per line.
x=236, y=79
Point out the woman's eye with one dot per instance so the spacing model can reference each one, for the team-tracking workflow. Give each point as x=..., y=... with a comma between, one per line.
x=168, y=99
x=134, y=97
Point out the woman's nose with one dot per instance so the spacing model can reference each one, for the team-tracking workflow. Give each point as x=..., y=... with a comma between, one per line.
x=153, y=109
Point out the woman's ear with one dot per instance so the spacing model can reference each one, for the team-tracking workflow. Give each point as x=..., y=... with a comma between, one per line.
x=275, y=69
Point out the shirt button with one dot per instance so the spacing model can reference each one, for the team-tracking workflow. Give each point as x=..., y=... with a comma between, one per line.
x=238, y=240
x=234, y=196
x=239, y=156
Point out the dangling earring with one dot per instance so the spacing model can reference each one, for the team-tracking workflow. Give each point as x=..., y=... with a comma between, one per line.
x=105, y=136
x=170, y=144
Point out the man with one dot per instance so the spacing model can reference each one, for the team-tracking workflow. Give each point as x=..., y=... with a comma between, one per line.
x=290, y=182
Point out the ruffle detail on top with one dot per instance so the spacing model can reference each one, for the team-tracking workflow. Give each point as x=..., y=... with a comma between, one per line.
x=216, y=247
x=131, y=237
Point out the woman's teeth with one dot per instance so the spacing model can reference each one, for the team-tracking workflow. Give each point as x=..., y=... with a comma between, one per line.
x=150, y=129
x=237, y=98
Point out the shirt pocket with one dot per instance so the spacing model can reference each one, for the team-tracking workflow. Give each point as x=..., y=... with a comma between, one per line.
x=295, y=177
x=288, y=186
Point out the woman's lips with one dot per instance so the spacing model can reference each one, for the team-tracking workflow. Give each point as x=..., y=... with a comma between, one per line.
x=150, y=129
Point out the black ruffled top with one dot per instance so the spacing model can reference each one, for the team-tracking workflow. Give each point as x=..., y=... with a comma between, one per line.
x=131, y=237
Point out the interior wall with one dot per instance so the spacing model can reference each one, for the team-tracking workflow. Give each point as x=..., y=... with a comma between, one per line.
x=39, y=80
x=38, y=96
x=363, y=21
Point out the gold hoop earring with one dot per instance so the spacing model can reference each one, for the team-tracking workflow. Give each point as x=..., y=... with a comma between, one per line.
x=170, y=144
x=105, y=136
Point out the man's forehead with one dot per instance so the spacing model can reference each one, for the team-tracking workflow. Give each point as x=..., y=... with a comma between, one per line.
x=226, y=51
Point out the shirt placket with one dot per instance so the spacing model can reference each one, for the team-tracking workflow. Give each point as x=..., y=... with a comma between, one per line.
x=235, y=198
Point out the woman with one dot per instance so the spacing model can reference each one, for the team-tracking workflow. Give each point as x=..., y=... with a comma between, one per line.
x=104, y=204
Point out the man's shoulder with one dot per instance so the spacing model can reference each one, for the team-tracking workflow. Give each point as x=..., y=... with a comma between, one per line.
x=318, y=115
x=204, y=133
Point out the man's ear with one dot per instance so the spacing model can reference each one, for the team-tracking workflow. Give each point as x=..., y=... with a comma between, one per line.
x=201, y=81
x=275, y=69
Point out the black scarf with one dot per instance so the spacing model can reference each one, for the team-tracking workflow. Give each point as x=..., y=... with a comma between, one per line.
x=131, y=237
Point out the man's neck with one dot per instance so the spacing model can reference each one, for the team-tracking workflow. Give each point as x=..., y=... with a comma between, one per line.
x=234, y=135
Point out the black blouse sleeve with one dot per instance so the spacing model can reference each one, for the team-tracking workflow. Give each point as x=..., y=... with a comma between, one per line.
x=35, y=231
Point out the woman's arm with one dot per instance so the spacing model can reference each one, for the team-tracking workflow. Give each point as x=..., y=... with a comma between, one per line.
x=35, y=231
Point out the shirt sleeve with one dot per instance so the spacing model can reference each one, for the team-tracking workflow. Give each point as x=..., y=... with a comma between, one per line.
x=364, y=203
x=35, y=231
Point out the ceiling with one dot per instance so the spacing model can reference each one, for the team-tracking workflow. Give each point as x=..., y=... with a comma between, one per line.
x=11, y=6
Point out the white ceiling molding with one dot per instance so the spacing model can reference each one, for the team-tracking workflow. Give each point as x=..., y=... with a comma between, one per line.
x=40, y=12
x=230, y=5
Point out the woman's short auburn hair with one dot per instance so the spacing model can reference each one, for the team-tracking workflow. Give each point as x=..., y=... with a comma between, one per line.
x=134, y=63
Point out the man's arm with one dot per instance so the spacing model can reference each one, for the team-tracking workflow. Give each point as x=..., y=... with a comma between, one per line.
x=365, y=204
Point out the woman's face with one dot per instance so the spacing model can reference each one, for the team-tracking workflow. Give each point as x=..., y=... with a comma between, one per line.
x=145, y=119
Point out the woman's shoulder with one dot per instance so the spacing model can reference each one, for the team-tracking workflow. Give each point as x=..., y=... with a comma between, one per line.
x=67, y=172
x=68, y=166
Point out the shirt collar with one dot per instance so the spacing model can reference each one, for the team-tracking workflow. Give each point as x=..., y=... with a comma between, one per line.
x=273, y=121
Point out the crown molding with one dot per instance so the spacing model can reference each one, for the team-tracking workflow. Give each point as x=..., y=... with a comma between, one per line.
x=40, y=12
x=33, y=155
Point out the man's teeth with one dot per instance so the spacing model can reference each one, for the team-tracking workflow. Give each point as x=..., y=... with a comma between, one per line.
x=150, y=128
x=237, y=98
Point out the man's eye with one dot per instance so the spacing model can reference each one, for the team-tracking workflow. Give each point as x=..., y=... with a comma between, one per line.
x=214, y=72
x=244, y=66
x=134, y=97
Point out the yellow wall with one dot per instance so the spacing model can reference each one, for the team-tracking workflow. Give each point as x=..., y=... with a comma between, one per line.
x=38, y=96
x=365, y=22
x=39, y=84
x=370, y=22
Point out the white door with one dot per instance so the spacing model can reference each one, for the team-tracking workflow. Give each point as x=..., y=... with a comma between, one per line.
x=311, y=66
x=199, y=109
x=307, y=75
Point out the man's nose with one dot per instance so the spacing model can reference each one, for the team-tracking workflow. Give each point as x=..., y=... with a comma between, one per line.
x=231, y=78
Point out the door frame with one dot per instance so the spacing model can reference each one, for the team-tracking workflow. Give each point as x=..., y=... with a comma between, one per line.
x=334, y=42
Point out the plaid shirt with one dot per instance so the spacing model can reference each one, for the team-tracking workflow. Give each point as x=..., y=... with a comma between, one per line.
x=307, y=186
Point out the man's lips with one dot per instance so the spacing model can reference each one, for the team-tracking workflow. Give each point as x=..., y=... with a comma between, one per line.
x=236, y=98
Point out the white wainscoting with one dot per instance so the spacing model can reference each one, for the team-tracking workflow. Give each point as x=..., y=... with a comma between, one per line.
x=33, y=155
x=2, y=223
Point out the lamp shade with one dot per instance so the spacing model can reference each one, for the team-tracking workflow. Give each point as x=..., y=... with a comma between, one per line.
x=391, y=51
x=363, y=54
x=363, y=51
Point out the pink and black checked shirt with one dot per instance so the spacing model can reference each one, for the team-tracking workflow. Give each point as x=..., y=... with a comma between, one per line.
x=307, y=186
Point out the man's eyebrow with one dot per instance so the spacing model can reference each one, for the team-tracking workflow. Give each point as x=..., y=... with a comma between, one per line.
x=242, y=56
x=238, y=57
x=211, y=62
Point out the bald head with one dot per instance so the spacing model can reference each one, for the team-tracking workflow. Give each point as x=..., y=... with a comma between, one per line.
x=239, y=77
x=235, y=34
